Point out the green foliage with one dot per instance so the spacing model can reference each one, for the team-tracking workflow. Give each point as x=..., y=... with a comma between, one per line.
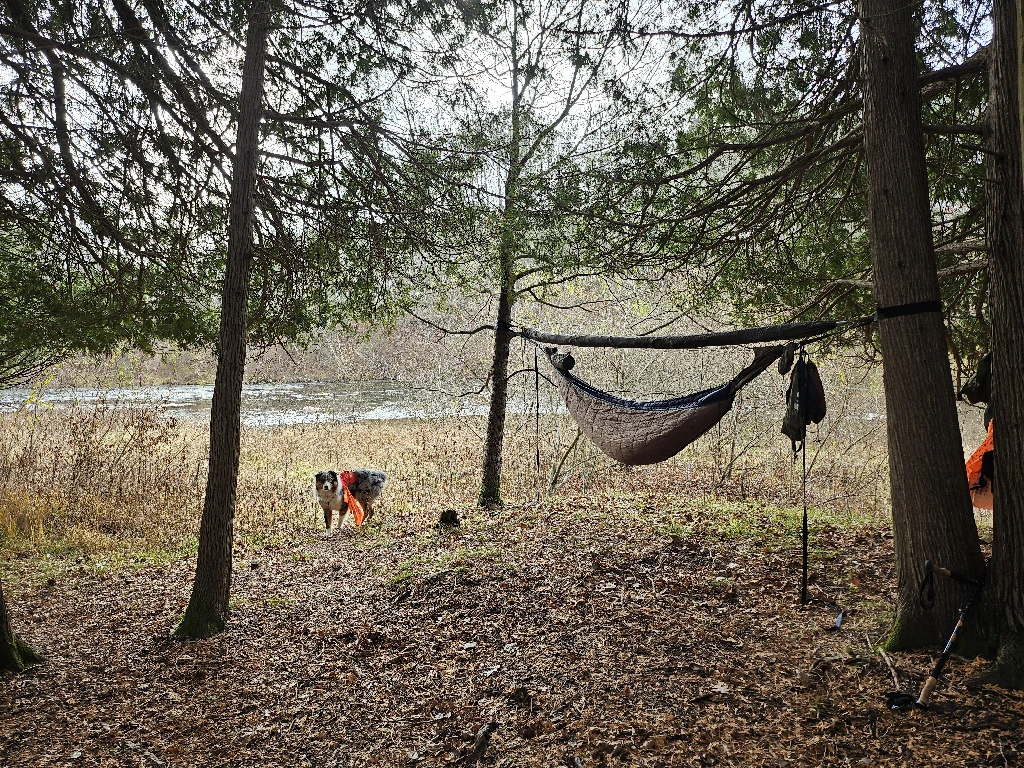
x=756, y=189
x=529, y=103
x=115, y=160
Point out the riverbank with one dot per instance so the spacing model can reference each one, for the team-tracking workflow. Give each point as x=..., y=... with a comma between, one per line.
x=123, y=479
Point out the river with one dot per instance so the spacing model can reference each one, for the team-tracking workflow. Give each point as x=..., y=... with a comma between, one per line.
x=269, y=405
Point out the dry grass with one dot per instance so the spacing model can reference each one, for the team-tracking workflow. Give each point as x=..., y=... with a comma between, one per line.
x=92, y=480
x=127, y=481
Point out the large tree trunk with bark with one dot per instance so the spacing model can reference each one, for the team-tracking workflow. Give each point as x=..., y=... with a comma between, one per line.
x=15, y=654
x=1005, y=233
x=207, y=608
x=931, y=508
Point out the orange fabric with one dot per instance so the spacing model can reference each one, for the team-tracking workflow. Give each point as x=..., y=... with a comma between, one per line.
x=980, y=494
x=354, y=505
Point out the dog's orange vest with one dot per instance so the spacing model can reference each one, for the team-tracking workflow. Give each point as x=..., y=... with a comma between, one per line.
x=355, y=507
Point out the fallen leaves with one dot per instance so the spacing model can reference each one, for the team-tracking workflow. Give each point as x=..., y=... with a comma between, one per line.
x=589, y=640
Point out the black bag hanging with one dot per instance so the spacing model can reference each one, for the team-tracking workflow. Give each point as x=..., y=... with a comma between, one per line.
x=805, y=404
x=978, y=388
x=805, y=401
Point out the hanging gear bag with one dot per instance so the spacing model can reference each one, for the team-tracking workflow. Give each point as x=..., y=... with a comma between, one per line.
x=805, y=400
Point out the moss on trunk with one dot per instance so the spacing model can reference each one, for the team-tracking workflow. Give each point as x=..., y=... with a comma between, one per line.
x=1009, y=668
x=17, y=656
x=201, y=620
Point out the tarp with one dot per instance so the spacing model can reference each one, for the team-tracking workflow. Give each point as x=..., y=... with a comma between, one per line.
x=979, y=473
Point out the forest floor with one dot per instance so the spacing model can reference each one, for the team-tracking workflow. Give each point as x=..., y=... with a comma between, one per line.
x=593, y=631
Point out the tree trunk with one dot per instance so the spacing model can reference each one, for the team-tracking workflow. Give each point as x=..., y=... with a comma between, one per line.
x=931, y=508
x=490, y=486
x=207, y=608
x=1004, y=203
x=15, y=655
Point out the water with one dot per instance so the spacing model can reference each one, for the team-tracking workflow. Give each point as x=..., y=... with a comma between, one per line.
x=269, y=405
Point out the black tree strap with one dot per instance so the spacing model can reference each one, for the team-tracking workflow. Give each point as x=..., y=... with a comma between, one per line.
x=901, y=310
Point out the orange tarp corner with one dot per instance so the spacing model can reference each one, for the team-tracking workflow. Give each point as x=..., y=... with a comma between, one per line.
x=981, y=486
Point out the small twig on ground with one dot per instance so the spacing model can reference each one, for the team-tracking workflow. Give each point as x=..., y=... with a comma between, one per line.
x=892, y=669
x=886, y=659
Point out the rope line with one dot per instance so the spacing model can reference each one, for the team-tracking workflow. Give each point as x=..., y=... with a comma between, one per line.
x=536, y=394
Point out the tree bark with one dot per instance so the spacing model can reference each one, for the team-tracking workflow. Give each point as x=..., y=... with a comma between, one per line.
x=490, y=484
x=931, y=507
x=1004, y=204
x=208, y=606
x=15, y=654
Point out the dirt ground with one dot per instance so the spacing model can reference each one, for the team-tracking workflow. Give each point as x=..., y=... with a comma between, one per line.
x=591, y=632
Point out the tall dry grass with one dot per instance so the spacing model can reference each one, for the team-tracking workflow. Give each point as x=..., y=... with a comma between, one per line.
x=92, y=479
x=126, y=478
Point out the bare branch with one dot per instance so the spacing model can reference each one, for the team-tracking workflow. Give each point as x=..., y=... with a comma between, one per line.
x=449, y=331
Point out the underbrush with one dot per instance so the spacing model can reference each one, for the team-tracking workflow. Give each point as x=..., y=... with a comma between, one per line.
x=128, y=481
x=95, y=480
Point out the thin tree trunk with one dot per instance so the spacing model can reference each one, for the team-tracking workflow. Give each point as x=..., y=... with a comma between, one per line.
x=931, y=508
x=490, y=484
x=208, y=607
x=1005, y=233
x=15, y=655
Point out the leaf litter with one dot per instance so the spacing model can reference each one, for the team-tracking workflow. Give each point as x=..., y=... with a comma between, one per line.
x=573, y=633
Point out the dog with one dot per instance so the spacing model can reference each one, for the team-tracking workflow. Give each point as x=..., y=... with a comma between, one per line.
x=349, y=493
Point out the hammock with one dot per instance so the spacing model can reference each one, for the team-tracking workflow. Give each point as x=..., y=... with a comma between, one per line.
x=634, y=432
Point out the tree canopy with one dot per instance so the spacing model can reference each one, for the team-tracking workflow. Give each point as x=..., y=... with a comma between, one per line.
x=116, y=144
x=753, y=182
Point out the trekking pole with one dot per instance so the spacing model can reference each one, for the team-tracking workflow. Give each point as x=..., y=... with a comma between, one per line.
x=933, y=676
x=898, y=700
